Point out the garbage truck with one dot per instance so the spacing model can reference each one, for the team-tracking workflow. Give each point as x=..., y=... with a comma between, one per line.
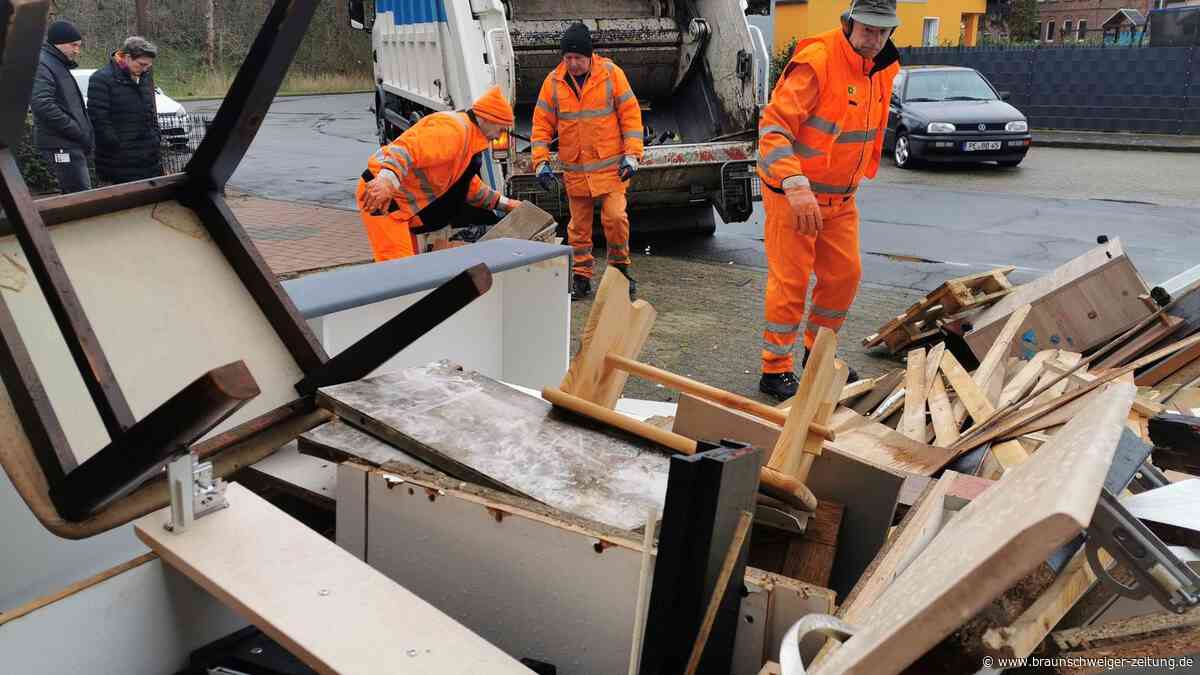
x=698, y=67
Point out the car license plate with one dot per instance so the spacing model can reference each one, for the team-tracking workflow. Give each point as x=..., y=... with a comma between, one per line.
x=972, y=146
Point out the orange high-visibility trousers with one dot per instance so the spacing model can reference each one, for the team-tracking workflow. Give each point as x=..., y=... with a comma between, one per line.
x=390, y=238
x=832, y=254
x=615, y=221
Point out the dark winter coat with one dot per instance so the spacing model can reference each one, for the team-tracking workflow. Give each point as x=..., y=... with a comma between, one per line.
x=125, y=117
x=60, y=119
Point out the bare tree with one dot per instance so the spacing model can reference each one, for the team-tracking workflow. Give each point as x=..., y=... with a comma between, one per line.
x=142, y=17
x=210, y=33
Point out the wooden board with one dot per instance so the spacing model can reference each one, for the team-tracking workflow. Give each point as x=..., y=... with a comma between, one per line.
x=1168, y=367
x=971, y=396
x=883, y=446
x=809, y=557
x=1150, y=336
x=614, y=325
x=477, y=429
x=943, y=413
x=868, y=492
x=882, y=390
x=1025, y=379
x=1080, y=305
x=991, y=544
x=912, y=423
x=527, y=221
x=993, y=361
x=337, y=441
x=296, y=585
x=815, y=385
x=1063, y=358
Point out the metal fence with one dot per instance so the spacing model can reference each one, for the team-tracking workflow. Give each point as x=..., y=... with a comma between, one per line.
x=1148, y=90
x=181, y=135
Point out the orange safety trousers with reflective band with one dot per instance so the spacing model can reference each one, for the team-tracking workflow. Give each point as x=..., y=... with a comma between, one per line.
x=832, y=254
x=428, y=158
x=825, y=121
x=616, y=231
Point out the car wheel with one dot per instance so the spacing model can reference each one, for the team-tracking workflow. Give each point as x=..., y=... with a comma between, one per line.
x=902, y=152
x=1010, y=163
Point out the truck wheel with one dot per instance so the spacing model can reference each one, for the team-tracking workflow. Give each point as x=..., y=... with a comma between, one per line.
x=383, y=128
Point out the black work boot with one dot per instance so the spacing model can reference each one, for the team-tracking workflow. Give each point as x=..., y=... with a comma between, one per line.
x=624, y=269
x=780, y=386
x=851, y=377
x=581, y=288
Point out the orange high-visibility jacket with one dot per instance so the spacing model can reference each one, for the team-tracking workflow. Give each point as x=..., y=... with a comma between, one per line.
x=595, y=128
x=837, y=142
x=429, y=158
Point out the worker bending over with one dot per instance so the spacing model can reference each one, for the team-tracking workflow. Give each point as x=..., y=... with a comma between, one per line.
x=428, y=178
x=821, y=134
x=587, y=103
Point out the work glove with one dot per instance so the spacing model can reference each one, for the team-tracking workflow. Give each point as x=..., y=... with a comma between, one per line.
x=379, y=192
x=507, y=205
x=546, y=177
x=628, y=167
x=804, y=204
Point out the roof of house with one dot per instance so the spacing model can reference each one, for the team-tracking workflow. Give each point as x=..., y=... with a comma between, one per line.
x=1121, y=15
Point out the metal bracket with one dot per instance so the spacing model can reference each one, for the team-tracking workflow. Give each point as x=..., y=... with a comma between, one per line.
x=195, y=492
x=1156, y=570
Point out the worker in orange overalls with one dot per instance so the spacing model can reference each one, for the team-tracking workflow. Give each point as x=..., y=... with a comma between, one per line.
x=587, y=102
x=819, y=136
x=428, y=179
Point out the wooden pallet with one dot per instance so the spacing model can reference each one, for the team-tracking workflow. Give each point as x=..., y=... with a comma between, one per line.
x=950, y=300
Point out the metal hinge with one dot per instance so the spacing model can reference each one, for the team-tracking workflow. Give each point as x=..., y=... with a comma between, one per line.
x=195, y=492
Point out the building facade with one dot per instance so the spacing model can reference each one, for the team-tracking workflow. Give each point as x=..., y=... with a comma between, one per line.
x=1068, y=21
x=930, y=23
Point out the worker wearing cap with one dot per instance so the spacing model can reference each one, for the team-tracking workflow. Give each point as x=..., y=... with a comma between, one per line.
x=428, y=178
x=587, y=103
x=819, y=136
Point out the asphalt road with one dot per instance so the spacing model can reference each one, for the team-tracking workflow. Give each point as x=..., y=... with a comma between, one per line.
x=918, y=227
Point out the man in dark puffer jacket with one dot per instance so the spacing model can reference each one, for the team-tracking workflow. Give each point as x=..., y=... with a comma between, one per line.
x=121, y=105
x=62, y=130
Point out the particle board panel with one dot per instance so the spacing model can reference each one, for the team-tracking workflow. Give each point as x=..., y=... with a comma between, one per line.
x=296, y=585
x=992, y=543
x=166, y=306
x=1080, y=305
x=477, y=429
x=337, y=441
x=533, y=580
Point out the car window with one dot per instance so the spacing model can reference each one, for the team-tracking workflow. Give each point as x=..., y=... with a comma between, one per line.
x=948, y=85
x=898, y=85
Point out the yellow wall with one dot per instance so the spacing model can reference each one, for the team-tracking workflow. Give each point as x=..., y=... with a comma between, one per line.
x=803, y=19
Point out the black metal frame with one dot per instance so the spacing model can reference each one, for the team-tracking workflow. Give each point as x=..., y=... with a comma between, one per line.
x=138, y=448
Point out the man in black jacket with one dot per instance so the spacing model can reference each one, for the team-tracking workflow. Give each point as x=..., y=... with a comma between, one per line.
x=121, y=104
x=62, y=130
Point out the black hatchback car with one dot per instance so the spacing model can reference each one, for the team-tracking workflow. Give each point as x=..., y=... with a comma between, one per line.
x=953, y=114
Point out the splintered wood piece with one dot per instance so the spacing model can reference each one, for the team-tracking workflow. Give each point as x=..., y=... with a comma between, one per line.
x=996, y=385
x=293, y=583
x=912, y=424
x=817, y=378
x=1001, y=347
x=1026, y=378
x=614, y=326
x=882, y=446
x=1068, y=359
x=933, y=363
x=1021, y=637
x=1151, y=335
x=1003, y=457
x=1168, y=367
x=714, y=603
x=527, y=221
x=970, y=395
x=883, y=389
x=992, y=543
x=855, y=389
x=943, y=413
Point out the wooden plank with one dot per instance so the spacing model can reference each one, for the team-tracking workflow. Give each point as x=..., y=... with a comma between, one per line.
x=943, y=412
x=816, y=380
x=1004, y=457
x=527, y=221
x=614, y=325
x=1150, y=336
x=294, y=584
x=810, y=557
x=912, y=424
x=855, y=389
x=882, y=390
x=814, y=441
x=973, y=398
x=991, y=544
x=1022, y=637
x=479, y=430
x=1001, y=347
x=1079, y=305
x=1025, y=379
x=1159, y=635
x=995, y=385
x=30, y=607
x=880, y=445
x=1161, y=371
x=1068, y=359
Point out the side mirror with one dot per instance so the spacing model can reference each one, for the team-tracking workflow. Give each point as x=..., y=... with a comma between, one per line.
x=895, y=99
x=357, y=14
x=1004, y=95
